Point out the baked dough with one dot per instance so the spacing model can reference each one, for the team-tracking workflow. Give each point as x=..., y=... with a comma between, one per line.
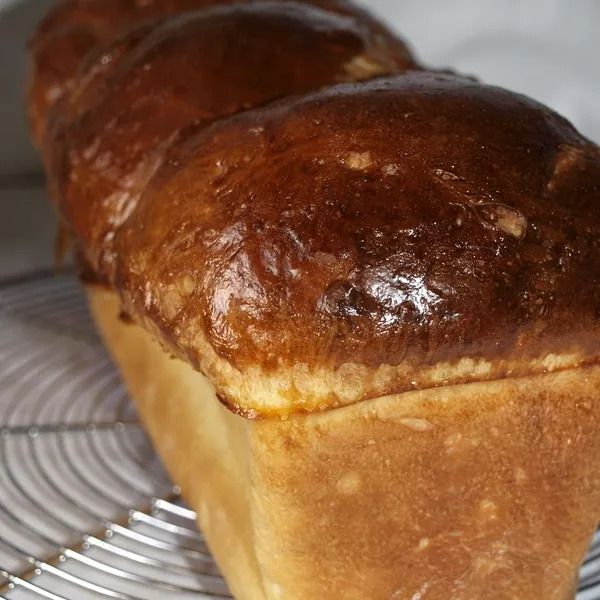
x=359, y=315
x=487, y=491
x=162, y=80
x=369, y=239
x=75, y=29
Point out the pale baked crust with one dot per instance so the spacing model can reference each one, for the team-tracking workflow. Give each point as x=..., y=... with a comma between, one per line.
x=486, y=490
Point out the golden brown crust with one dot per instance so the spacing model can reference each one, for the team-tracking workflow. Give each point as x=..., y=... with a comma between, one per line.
x=481, y=491
x=371, y=238
x=74, y=28
x=187, y=71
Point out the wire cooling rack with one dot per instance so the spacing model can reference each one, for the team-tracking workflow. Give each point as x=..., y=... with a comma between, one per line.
x=86, y=511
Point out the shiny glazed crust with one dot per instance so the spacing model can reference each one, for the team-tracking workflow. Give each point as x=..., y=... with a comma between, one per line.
x=364, y=239
x=132, y=99
x=74, y=29
x=369, y=239
x=485, y=490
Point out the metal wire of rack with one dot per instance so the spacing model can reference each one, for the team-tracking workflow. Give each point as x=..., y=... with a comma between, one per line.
x=86, y=511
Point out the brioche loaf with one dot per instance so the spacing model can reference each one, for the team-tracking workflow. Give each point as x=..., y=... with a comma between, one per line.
x=75, y=29
x=380, y=286
x=370, y=239
x=479, y=491
x=108, y=140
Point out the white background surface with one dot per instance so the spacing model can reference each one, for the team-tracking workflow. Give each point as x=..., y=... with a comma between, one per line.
x=548, y=49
